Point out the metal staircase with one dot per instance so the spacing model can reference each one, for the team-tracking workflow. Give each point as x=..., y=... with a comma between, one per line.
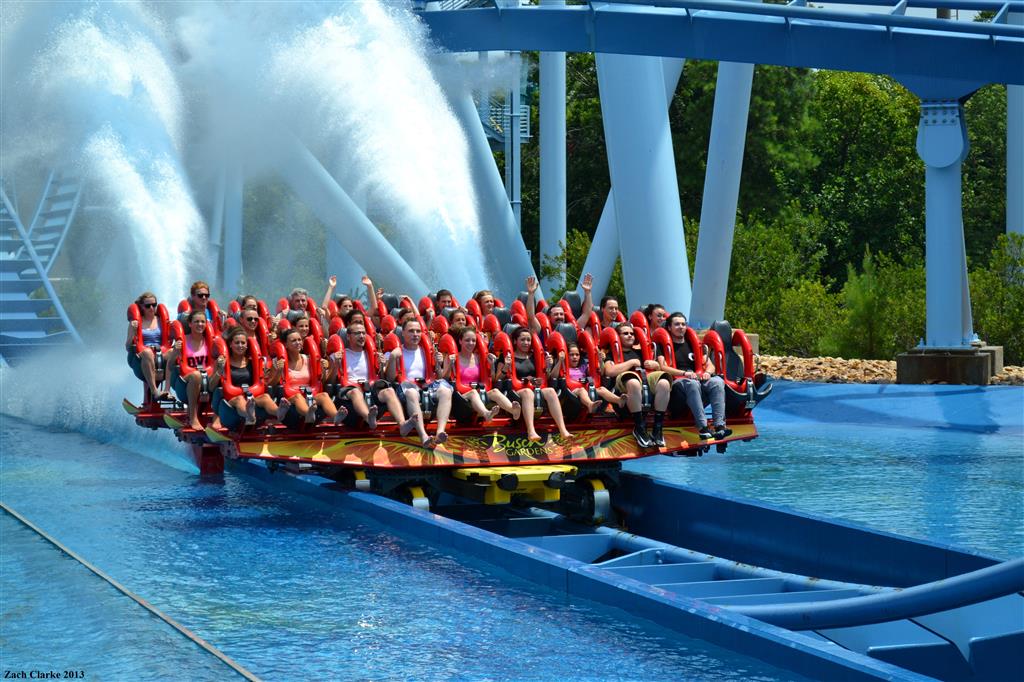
x=31, y=315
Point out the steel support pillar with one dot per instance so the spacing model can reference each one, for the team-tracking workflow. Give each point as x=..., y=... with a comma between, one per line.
x=1015, y=149
x=234, y=188
x=217, y=224
x=505, y=251
x=721, y=193
x=552, y=157
x=643, y=173
x=332, y=205
x=340, y=262
x=604, y=249
x=942, y=145
x=513, y=143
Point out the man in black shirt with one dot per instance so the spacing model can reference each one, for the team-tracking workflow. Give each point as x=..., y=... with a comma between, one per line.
x=696, y=389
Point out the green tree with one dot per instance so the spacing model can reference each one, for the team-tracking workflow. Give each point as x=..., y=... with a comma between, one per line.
x=997, y=298
x=869, y=184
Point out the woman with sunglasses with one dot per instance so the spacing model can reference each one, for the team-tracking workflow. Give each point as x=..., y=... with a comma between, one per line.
x=254, y=328
x=150, y=328
x=192, y=355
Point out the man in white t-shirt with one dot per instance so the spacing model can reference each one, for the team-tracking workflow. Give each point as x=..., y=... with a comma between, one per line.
x=413, y=361
x=358, y=372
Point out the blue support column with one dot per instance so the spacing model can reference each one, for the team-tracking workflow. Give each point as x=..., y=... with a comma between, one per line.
x=721, y=193
x=340, y=262
x=635, y=95
x=552, y=156
x=234, y=188
x=503, y=243
x=1015, y=149
x=332, y=205
x=942, y=145
x=604, y=250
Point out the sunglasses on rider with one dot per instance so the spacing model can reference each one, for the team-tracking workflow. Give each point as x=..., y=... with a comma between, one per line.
x=149, y=305
x=251, y=319
x=206, y=295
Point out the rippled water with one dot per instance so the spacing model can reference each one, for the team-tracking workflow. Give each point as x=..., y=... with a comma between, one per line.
x=288, y=588
x=950, y=485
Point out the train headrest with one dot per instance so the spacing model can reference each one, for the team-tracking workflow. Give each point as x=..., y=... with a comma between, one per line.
x=387, y=324
x=509, y=328
x=389, y=300
x=426, y=304
x=638, y=319
x=447, y=312
x=609, y=336
x=504, y=315
x=574, y=301
x=491, y=325
x=293, y=315
x=518, y=307
x=439, y=325
x=446, y=345
x=568, y=332
x=724, y=331
x=391, y=342
x=396, y=311
x=283, y=326
x=343, y=335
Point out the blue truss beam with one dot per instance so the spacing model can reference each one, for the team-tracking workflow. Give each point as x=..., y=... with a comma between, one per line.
x=893, y=44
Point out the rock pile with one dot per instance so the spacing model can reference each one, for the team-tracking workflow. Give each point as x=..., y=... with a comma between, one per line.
x=842, y=371
x=829, y=370
x=1011, y=375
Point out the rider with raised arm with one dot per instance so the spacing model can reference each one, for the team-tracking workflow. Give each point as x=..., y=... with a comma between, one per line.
x=583, y=319
x=556, y=314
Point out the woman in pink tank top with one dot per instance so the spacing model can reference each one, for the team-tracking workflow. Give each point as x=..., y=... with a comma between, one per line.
x=469, y=373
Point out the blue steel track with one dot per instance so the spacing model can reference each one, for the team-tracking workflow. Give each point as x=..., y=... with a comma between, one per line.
x=912, y=47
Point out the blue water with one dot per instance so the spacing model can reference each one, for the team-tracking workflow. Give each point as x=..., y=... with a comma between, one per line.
x=942, y=463
x=288, y=588
x=953, y=487
x=292, y=589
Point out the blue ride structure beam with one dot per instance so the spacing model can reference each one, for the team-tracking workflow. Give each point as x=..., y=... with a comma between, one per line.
x=604, y=250
x=942, y=595
x=942, y=145
x=641, y=163
x=503, y=242
x=1015, y=148
x=552, y=158
x=340, y=262
x=755, y=33
x=234, y=187
x=332, y=205
x=721, y=193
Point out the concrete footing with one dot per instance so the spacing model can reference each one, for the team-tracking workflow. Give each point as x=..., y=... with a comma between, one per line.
x=950, y=366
